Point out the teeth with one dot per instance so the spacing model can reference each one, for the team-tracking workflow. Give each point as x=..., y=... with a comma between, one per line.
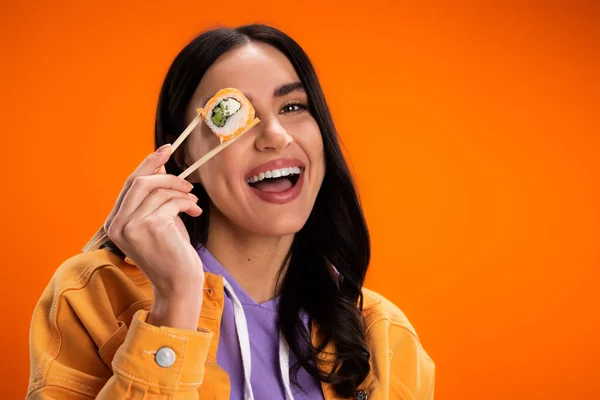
x=275, y=173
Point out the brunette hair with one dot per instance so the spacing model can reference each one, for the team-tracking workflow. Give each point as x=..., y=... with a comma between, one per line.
x=335, y=233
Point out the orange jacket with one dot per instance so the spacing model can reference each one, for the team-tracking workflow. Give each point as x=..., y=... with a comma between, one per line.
x=89, y=339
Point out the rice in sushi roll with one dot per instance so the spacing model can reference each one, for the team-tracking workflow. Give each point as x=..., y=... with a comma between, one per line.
x=228, y=113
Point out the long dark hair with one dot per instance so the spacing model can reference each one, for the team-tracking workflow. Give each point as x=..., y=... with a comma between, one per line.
x=335, y=233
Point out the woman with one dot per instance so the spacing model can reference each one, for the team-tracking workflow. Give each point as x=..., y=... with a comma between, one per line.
x=231, y=289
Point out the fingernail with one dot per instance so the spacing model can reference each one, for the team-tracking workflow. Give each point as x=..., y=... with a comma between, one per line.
x=193, y=196
x=190, y=184
x=163, y=148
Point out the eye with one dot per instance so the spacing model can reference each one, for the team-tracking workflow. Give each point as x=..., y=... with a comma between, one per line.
x=292, y=108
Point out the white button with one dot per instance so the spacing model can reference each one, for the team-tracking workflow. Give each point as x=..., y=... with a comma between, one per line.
x=165, y=357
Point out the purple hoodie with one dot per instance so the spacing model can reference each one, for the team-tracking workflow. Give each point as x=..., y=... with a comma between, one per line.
x=266, y=377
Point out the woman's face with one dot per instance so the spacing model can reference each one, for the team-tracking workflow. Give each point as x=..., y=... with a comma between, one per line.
x=287, y=137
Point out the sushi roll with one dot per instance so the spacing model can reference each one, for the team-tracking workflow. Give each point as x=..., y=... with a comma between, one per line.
x=228, y=113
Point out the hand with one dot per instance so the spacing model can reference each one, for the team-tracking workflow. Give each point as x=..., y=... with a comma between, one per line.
x=146, y=226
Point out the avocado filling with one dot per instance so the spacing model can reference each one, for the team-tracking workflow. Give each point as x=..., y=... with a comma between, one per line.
x=225, y=109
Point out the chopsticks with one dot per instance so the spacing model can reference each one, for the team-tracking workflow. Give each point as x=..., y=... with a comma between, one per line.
x=101, y=237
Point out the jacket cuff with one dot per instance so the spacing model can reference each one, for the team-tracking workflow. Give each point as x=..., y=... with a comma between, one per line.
x=162, y=357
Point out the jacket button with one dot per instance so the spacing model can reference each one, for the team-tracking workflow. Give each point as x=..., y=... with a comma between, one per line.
x=361, y=395
x=165, y=357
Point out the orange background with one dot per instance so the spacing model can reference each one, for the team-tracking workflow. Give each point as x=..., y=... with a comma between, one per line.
x=480, y=188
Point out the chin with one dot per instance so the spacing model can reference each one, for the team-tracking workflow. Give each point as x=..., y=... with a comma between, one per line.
x=278, y=226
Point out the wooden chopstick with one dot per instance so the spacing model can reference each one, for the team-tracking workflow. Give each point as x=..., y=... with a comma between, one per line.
x=216, y=151
x=187, y=131
x=100, y=237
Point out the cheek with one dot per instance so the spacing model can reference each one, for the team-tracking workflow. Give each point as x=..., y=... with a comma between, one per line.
x=311, y=141
x=223, y=173
x=213, y=177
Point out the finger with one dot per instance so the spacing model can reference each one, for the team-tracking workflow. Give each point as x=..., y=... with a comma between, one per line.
x=177, y=205
x=153, y=161
x=144, y=185
x=156, y=199
x=152, y=164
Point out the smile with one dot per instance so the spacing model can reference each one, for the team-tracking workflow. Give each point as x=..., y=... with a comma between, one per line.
x=277, y=185
x=291, y=173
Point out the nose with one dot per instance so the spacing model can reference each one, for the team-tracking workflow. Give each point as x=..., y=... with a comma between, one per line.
x=272, y=136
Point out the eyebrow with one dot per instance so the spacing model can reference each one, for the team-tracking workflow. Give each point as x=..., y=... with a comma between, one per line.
x=282, y=90
x=288, y=88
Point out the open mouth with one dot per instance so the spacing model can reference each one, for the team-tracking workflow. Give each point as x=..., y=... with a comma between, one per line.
x=277, y=180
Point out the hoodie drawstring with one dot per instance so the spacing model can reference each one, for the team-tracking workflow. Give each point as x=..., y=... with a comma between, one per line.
x=241, y=328
x=284, y=366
